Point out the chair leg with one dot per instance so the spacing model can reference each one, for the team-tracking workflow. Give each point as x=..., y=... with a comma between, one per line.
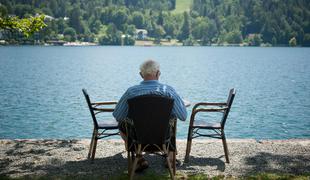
x=94, y=146
x=135, y=162
x=189, y=144
x=225, y=147
x=166, y=151
x=91, y=145
x=129, y=159
x=174, y=162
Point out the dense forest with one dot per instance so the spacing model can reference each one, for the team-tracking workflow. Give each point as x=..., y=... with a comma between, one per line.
x=114, y=22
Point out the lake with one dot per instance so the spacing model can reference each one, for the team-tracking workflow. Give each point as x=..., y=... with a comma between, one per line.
x=41, y=97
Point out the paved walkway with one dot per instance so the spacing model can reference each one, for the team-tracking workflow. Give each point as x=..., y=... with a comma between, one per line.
x=67, y=157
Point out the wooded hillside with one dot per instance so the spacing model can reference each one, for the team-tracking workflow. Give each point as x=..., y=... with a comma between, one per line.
x=274, y=22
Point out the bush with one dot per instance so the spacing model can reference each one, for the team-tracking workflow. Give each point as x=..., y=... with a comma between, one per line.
x=129, y=41
x=70, y=34
x=110, y=40
x=189, y=41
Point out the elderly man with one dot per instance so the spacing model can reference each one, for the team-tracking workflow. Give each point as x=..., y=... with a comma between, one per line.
x=149, y=71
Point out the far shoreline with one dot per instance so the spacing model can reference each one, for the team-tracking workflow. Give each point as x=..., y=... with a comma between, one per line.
x=145, y=43
x=97, y=45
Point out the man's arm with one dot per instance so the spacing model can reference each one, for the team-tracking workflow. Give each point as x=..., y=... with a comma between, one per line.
x=121, y=109
x=179, y=109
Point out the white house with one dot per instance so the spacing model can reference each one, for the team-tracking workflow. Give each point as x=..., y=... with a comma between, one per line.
x=141, y=34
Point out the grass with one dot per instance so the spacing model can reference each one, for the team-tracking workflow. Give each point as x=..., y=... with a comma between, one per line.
x=181, y=6
x=153, y=176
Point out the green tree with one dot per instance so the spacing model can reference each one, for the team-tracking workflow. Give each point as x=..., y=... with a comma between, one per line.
x=255, y=40
x=22, y=9
x=138, y=19
x=27, y=26
x=170, y=28
x=189, y=41
x=120, y=17
x=185, y=30
x=200, y=28
x=61, y=24
x=233, y=37
x=76, y=19
x=70, y=34
x=129, y=41
x=274, y=41
x=159, y=32
x=130, y=29
x=111, y=37
x=160, y=19
x=3, y=11
x=306, y=40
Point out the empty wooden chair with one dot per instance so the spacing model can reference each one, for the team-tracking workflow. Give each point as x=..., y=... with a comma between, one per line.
x=150, y=129
x=102, y=128
x=201, y=128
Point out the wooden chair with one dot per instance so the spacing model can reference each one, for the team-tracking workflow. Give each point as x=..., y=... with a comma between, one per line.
x=196, y=126
x=150, y=129
x=102, y=129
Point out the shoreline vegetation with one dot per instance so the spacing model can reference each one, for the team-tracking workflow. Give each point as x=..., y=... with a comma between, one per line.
x=66, y=159
x=146, y=43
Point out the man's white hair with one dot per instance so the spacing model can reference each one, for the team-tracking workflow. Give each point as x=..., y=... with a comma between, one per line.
x=149, y=67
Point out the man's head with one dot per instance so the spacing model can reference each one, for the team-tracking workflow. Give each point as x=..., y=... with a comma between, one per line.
x=149, y=70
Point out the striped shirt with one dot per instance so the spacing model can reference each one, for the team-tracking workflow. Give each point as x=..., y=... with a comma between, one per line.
x=150, y=87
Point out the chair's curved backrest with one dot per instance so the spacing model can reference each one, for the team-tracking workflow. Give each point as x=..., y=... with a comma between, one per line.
x=90, y=108
x=150, y=115
x=229, y=102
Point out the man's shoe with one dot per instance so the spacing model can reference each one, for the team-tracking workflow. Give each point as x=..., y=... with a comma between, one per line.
x=141, y=165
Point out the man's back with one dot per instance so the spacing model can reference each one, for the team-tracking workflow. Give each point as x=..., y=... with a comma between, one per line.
x=150, y=87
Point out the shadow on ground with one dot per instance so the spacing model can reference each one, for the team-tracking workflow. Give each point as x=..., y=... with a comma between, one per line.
x=101, y=167
x=260, y=162
x=275, y=163
x=214, y=163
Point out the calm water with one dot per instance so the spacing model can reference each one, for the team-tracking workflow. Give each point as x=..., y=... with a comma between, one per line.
x=41, y=97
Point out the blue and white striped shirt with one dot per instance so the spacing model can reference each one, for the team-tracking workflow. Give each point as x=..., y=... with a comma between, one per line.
x=150, y=87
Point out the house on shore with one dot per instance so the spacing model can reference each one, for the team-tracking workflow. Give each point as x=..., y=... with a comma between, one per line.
x=141, y=34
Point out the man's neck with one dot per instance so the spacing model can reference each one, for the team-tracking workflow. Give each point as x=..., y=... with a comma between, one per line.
x=149, y=78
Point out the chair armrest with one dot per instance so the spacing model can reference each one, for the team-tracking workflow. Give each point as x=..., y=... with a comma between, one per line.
x=195, y=111
x=104, y=103
x=211, y=109
x=103, y=109
x=209, y=104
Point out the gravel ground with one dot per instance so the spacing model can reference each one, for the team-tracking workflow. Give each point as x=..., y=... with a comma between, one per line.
x=68, y=157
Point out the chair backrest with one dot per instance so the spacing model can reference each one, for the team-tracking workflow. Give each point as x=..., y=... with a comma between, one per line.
x=229, y=102
x=91, y=109
x=150, y=115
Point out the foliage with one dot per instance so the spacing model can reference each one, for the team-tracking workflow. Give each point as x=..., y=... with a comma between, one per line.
x=27, y=26
x=129, y=41
x=205, y=21
x=276, y=21
x=70, y=34
x=185, y=31
x=255, y=40
x=189, y=41
x=111, y=37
